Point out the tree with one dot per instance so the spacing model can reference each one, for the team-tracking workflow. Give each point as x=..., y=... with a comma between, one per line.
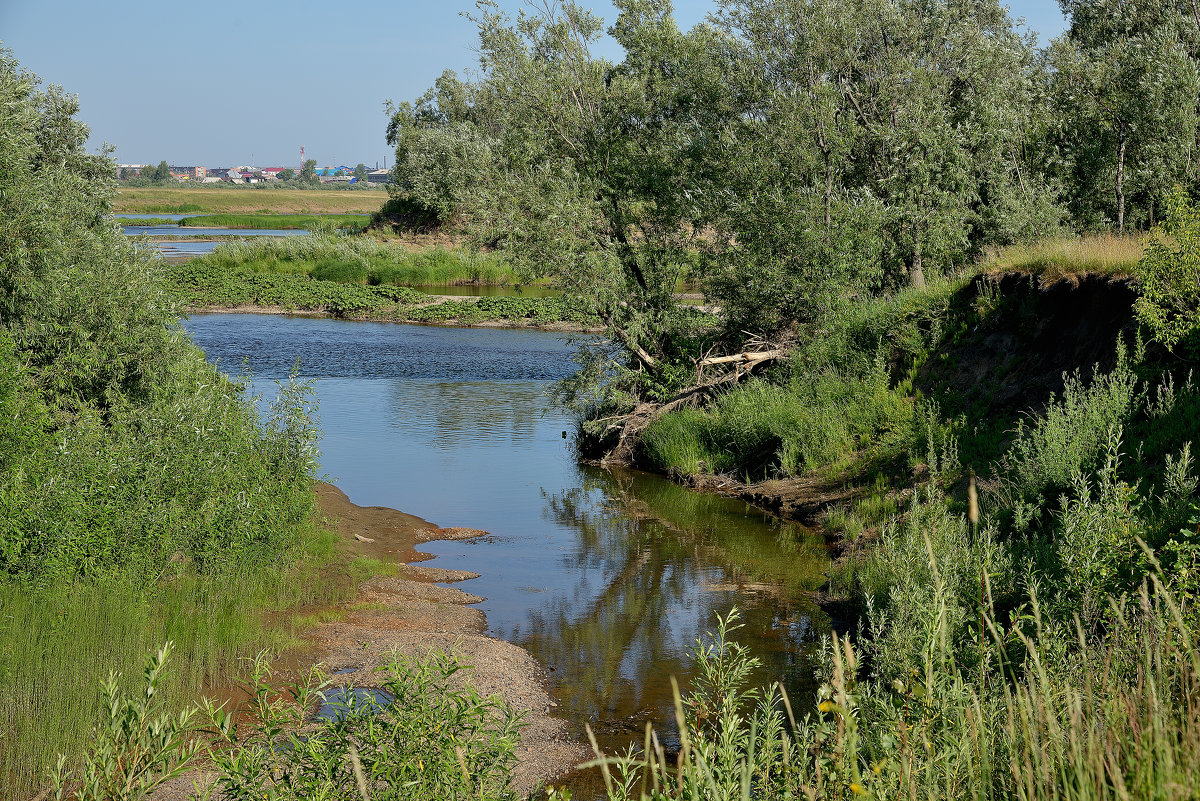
x=1126, y=88
x=308, y=172
x=360, y=172
x=910, y=116
x=287, y=174
x=161, y=173
x=575, y=167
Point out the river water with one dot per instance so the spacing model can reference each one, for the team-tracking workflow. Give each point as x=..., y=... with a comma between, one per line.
x=607, y=578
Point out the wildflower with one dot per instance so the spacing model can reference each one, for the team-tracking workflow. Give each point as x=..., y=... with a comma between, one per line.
x=827, y=706
x=857, y=789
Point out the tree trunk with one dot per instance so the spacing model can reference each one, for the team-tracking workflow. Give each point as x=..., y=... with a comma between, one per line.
x=1122, y=141
x=916, y=269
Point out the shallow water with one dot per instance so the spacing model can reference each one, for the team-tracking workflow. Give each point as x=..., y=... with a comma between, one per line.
x=606, y=577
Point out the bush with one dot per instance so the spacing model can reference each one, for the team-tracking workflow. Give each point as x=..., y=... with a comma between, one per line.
x=1069, y=440
x=1169, y=275
x=417, y=736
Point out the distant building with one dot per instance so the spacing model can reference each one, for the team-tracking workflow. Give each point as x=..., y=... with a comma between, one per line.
x=189, y=173
x=379, y=176
x=272, y=172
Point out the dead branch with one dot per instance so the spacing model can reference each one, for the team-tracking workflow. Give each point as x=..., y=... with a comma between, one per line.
x=644, y=414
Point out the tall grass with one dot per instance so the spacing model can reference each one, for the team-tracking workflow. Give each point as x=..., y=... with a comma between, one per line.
x=1068, y=717
x=60, y=640
x=1098, y=254
x=361, y=260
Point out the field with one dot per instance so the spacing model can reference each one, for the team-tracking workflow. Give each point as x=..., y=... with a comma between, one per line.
x=246, y=200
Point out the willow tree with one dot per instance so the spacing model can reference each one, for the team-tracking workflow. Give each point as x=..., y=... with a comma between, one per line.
x=576, y=167
x=899, y=126
x=1125, y=90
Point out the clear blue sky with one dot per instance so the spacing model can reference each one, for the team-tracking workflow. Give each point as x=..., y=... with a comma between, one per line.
x=229, y=82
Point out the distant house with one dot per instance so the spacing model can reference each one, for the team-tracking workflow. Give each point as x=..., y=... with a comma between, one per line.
x=379, y=176
x=272, y=172
x=126, y=171
x=188, y=173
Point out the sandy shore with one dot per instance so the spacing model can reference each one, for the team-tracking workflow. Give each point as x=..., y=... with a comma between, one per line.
x=410, y=614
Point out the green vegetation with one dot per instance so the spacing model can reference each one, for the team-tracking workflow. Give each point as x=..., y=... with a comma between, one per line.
x=148, y=221
x=310, y=222
x=143, y=498
x=360, y=260
x=1169, y=277
x=335, y=288
x=255, y=199
x=1055, y=258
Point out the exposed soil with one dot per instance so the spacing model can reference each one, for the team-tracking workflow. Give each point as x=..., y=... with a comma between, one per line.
x=410, y=614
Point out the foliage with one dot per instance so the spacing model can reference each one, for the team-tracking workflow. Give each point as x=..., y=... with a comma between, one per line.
x=140, y=490
x=312, y=222
x=1169, y=275
x=1055, y=258
x=417, y=736
x=141, y=746
x=1122, y=84
x=1112, y=718
x=369, y=260
x=1070, y=439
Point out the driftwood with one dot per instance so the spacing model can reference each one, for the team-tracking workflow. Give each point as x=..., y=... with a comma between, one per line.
x=633, y=424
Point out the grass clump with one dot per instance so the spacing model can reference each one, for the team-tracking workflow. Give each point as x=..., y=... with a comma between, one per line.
x=1106, y=254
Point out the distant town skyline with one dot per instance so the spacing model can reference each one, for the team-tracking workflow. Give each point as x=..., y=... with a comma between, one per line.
x=250, y=82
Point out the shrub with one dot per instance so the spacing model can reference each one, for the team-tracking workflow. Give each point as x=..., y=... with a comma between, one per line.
x=416, y=737
x=1169, y=275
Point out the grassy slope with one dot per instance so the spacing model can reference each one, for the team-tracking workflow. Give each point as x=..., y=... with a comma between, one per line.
x=246, y=200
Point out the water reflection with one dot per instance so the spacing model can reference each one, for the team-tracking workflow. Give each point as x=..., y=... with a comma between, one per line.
x=606, y=577
x=654, y=565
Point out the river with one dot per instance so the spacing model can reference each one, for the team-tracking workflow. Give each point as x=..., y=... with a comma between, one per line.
x=606, y=577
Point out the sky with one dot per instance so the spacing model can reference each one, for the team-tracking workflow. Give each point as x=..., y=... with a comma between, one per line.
x=230, y=82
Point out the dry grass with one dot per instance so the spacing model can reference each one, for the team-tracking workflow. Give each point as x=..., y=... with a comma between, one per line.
x=246, y=200
x=1094, y=254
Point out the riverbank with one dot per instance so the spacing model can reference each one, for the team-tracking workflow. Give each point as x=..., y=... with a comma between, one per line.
x=440, y=305
x=405, y=611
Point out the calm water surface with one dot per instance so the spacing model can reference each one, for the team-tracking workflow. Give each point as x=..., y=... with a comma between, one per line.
x=606, y=577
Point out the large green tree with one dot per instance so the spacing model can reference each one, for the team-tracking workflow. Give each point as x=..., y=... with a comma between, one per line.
x=1125, y=90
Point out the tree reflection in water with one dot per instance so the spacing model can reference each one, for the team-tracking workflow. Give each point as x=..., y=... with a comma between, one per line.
x=656, y=563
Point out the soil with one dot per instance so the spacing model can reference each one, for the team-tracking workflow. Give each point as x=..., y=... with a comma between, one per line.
x=409, y=614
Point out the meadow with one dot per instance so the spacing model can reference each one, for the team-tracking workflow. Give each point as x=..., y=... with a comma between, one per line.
x=245, y=200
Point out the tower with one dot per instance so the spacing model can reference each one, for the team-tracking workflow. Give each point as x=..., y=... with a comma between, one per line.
x=301, y=157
